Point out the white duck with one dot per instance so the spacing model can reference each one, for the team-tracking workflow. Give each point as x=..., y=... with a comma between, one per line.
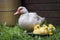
x=27, y=19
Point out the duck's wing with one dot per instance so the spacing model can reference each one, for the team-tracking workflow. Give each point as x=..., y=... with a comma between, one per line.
x=32, y=17
x=40, y=19
x=35, y=19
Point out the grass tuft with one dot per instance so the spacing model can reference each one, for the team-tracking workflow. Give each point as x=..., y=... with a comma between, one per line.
x=16, y=33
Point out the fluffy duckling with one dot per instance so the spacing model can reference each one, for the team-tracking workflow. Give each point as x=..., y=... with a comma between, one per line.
x=36, y=29
x=44, y=30
x=51, y=29
x=40, y=30
x=50, y=32
x=45, y=26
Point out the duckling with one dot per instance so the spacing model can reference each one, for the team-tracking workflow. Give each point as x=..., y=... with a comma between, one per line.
x=36, y=29
x=36, y=26
x=50, y=32
x=40, y=30
x=45, y=26
x=44, y=30
x=51, y=27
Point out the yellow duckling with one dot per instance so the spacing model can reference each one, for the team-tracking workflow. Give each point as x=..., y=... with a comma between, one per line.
x=50, y=32
x=36, y=29
x=44, y=30
x=37, y=26
x=44, y=26
x=51, y=27
x=40, y=30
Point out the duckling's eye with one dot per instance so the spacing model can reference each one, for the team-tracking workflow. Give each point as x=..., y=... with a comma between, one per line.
x=37, y=26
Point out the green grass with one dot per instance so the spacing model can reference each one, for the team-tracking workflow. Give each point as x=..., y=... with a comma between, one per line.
x=16, y=33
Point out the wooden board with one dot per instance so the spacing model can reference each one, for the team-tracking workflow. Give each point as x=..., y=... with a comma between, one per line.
x=53, y=20
x=49, y=13
x=42, y=1
x=44, y=7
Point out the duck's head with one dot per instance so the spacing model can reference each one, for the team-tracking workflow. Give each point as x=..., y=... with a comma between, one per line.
x=20, y=10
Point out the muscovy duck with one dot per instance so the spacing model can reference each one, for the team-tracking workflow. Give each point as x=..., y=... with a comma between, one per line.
x=28, y=19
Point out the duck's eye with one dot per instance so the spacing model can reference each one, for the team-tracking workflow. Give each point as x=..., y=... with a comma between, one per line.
x=21, y=8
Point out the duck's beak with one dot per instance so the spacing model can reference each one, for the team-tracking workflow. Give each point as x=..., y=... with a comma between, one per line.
x=16, y=13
